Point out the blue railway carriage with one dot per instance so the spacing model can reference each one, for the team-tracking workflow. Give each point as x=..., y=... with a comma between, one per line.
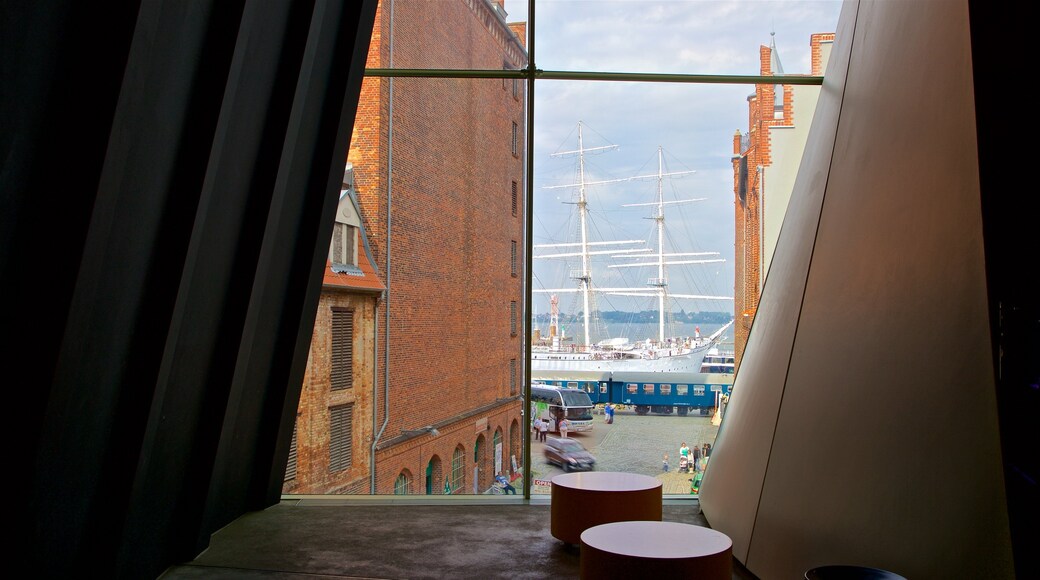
x=647, y=392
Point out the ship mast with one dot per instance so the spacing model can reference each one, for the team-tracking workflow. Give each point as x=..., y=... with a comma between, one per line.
x=661, y=283
x=583, y=276
x=658, y=285
x=586, y=275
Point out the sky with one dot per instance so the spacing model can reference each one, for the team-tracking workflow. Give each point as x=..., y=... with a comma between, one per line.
x=693, y=124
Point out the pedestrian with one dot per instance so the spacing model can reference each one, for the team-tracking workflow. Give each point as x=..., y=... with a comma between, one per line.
x=564, y=426
x=501, y=479
x=610, y=413
x=684, y=451
x=536, y=428
x=543, y=426
x=696, y=459
x=665, y=467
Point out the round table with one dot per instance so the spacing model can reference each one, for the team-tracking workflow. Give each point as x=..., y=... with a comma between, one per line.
x=844, y=572
x=583, y=500
x=655, y=549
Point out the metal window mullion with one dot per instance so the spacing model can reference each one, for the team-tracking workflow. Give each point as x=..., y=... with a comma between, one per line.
x=531, y=73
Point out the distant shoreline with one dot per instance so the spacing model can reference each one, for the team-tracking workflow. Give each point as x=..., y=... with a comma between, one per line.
x=643, y=317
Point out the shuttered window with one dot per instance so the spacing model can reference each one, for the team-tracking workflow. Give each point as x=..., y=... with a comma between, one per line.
x=290, y=466
x=515, y=198
x=512, y=376
x=342, y=364
x=341, y=420
x=512, y=318
x=342, y=246
x=512, y=257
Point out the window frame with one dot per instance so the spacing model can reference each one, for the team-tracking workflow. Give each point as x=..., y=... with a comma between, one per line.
x=403, y=483
x=530, y=75
x=457, y=478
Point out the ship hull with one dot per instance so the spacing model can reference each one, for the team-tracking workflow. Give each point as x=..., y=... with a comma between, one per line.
x=562, y=361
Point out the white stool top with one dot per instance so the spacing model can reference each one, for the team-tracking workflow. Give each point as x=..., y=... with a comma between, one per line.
x=656, y=539
x=606, y=481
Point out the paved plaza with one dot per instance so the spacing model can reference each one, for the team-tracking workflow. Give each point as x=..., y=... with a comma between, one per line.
x=635, y=444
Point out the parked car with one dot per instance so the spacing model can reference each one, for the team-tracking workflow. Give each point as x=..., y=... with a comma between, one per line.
x=568, y=454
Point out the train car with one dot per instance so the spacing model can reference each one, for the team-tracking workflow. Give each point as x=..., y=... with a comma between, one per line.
x=647, y=392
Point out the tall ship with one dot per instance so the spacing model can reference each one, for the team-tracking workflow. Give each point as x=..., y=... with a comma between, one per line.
x=658, y=353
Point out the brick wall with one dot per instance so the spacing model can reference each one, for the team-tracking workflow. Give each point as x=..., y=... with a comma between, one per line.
x=748, y=243
x=816, y=41
x=316, y=398
x=451, y=224
x=414, y=455
x=748, y=260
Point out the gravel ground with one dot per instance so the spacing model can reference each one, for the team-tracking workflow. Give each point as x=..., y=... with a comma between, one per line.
x=637, y=444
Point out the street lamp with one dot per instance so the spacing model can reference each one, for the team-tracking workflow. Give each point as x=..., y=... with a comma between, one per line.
x=427, y=429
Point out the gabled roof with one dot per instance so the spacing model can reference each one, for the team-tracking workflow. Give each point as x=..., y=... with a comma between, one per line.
x=365, y=277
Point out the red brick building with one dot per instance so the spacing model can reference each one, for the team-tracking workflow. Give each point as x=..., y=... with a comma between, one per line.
x=445, y=178
x=330, y=450
x=765, y=163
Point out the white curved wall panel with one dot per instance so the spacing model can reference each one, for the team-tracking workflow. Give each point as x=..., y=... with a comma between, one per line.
x=747, y=431
x=862, y=428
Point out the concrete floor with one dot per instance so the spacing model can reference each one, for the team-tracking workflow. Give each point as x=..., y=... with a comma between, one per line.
x=457, y=538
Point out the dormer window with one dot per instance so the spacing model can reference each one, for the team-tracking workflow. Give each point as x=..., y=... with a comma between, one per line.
x=343, y=251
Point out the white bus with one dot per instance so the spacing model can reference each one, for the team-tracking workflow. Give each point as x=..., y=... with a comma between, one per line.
x=550, y=403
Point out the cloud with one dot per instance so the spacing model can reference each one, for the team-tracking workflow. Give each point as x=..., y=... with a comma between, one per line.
x=694, y=124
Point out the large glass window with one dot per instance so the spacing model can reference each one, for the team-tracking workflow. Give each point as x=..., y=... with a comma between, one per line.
x=611, y=179
x=457, y=483
x=403, y=483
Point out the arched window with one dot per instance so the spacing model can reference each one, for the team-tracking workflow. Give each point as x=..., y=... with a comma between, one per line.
x=403, y=484
x=514, y=441
x=458, y=471
x=481, y=471
x=497, y=453
x=434, y=476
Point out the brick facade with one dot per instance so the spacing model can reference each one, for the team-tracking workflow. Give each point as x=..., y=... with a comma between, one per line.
x=753, y=154
x=450, y=171
x=313, y=475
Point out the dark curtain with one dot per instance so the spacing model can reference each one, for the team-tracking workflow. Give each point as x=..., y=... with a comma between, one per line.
x=1009, y=213
x=170, y=173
